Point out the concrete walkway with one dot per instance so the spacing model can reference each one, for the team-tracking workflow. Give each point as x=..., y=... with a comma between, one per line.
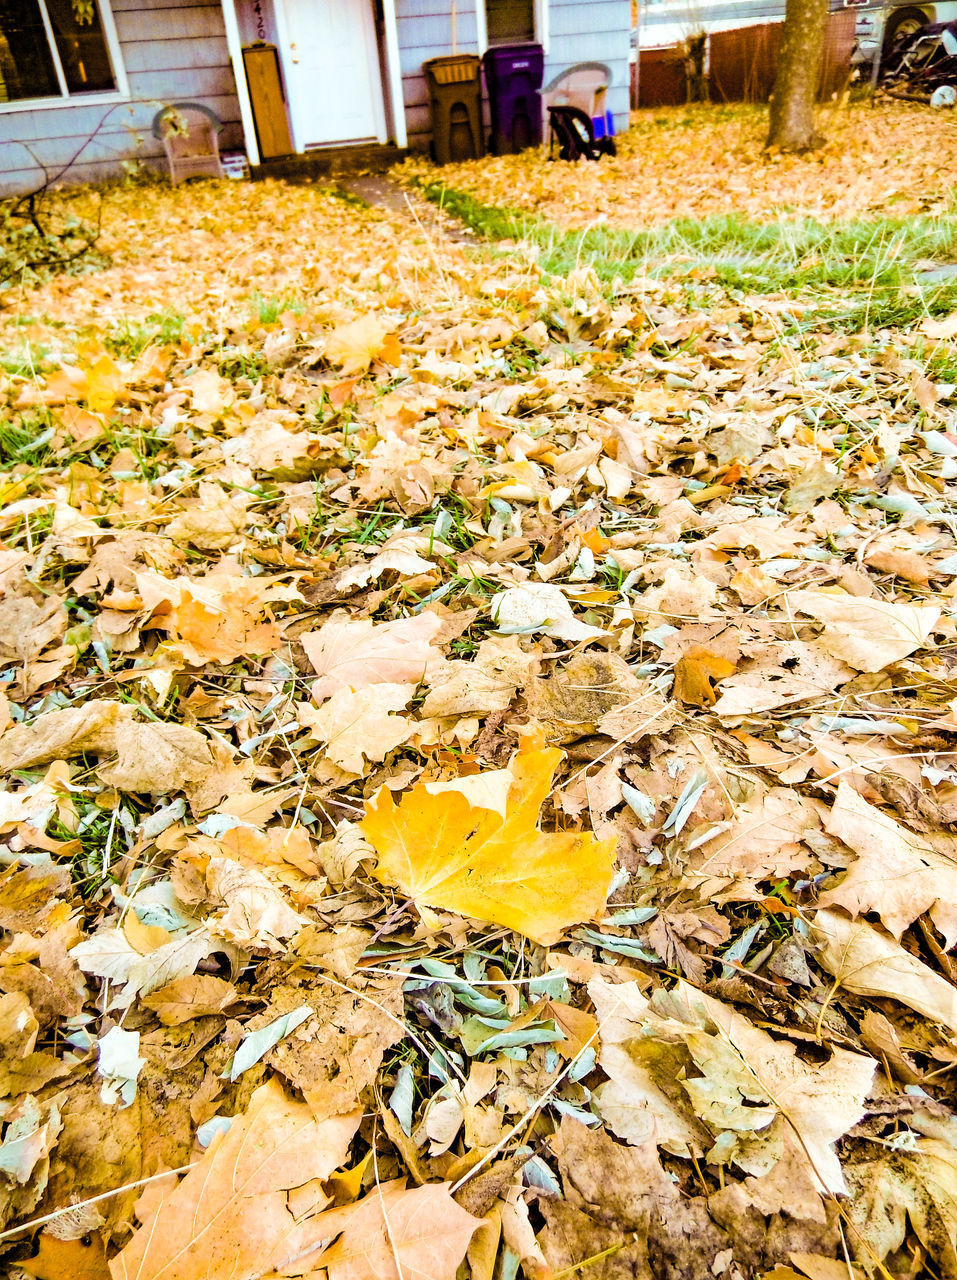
x=380, y=192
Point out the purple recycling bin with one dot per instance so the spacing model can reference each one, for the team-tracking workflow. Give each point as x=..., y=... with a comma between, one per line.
x=513, y=76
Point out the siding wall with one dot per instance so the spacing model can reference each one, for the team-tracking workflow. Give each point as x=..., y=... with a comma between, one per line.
x=425, y=31
x=173, y=51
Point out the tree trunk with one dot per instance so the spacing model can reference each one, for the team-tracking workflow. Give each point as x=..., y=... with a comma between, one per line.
x=797, y=77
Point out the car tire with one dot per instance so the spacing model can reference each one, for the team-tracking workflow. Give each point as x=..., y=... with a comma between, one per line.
x=902, y=21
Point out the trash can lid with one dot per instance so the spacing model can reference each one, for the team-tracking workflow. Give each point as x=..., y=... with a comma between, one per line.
x=454, y=69
x=514, y=57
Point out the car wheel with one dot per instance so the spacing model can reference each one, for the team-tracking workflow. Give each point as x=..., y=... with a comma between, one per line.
x=902, y=22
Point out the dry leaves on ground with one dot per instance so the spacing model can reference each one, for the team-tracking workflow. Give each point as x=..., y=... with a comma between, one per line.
x=479, y=787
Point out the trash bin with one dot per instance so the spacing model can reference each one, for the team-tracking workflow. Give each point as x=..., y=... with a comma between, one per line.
x=513, y=74
x=455, y=107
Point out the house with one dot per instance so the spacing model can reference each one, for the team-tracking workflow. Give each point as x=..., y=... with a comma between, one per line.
x=81, y=80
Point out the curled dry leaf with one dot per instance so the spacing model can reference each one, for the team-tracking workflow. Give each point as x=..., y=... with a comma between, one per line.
x=539, y=607
x=445, y=852
x=256, y=914
x=87, y=729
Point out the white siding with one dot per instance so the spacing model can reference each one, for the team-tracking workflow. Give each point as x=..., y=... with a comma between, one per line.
x=173, y=51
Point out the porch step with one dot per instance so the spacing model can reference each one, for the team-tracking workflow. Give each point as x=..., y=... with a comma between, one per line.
x=375, y=158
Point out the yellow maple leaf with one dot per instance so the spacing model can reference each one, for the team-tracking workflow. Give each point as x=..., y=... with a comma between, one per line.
x=444, y=851
x=355, y=345
x=104, y=384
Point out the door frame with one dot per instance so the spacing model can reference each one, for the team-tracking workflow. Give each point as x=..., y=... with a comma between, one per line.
x=393, y=73
x=372, y=53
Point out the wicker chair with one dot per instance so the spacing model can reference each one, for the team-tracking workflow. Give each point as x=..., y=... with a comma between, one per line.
x=190, y=135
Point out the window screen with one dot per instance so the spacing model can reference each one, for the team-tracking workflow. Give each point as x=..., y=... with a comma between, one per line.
x=510, y=21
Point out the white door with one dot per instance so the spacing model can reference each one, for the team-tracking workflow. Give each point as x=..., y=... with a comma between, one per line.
x=331, y=61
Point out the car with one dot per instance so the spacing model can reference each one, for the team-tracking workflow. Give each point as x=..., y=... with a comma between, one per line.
x=880, y=24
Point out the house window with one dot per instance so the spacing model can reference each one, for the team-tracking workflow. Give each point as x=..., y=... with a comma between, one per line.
x=510, y=21
x=53, y=49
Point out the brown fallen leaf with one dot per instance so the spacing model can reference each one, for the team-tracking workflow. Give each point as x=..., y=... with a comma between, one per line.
x=780, y=675
x=87, y=729
x=81, y=1259
x=779, y=1116
x=217, y=618
x=867, y=634
x=215, y=522
x=696, y=674
x=395, y=1233
x=28, y=626
x=351, y=655
x=901, y=563
x=194, y=996
x=817, y=1267
x=869, y=962
x=353, y=346
x=333, y=1059
x=914, y=1187
x=157, y=758
x=360, y=725
x=444, y=851
x=896, y=873
x=252, y=1203
x=255, y=913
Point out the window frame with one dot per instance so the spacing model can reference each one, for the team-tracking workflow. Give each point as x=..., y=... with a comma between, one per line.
x=66, y=99
x=539, y=16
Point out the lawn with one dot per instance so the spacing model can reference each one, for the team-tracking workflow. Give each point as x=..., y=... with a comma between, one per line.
x=894, y=159
x=477, y=722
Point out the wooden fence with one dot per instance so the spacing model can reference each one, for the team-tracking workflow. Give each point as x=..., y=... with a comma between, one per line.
x=742, y=64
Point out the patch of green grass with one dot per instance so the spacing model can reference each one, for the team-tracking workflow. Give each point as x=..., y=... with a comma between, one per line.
x=868, y=265
x=242, y=365
x=268, y=310
x=128, y=338
x=25, y=442
x=27, y=362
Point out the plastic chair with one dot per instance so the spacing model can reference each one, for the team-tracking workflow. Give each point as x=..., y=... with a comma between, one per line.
x=583, y=86
x=190, y=134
